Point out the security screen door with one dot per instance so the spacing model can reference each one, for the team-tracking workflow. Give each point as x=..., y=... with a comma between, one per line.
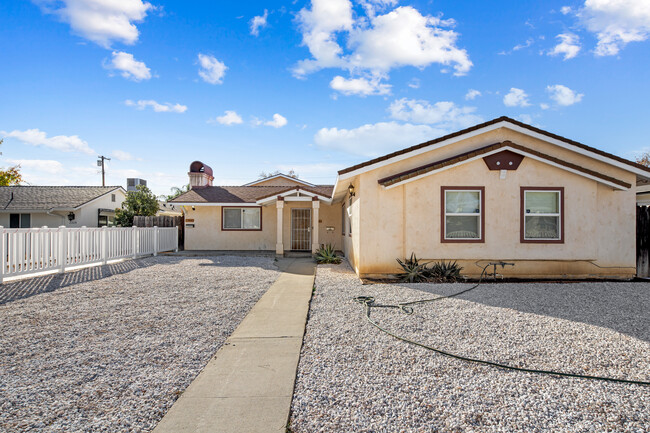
x=301, y=229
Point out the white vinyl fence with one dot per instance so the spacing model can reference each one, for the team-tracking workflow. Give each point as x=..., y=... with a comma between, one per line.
x=31, y=251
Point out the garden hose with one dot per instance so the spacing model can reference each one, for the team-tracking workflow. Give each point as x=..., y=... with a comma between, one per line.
x=406, y=308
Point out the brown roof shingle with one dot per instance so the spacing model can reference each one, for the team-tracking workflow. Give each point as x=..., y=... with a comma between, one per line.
x=243, y=194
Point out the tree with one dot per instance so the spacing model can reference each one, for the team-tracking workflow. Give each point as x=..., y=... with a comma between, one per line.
x=11, y=175
x=644, y=159
x=176, y=191
x=290, y=173
x=141, y=202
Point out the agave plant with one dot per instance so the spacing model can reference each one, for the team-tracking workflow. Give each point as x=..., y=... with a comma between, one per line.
x=445, y=271
x=414, y=271
x=326, y=254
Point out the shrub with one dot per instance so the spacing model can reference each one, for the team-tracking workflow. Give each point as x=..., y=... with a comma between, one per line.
x=326, y=254
x=416, y=272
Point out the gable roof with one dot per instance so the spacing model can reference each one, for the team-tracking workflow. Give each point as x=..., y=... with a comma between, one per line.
x=504, y=121
x=50, y=197
x=294, y=180
x=462, y=158
x=242, y=194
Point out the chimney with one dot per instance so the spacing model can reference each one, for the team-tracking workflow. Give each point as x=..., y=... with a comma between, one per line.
x=200, y=175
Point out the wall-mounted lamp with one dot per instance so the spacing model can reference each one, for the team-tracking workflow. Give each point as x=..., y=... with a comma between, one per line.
x=70, y=216
x=351, y=190
x=193, y=208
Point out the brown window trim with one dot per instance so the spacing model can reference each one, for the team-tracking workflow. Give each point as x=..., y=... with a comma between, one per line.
x=522, y=214
x=242, y=207
x=443, y=240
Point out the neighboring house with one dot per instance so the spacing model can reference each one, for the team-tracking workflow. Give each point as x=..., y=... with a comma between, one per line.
x=54, y=206
x=643, y=195
x=168, y=209
x=498, y=191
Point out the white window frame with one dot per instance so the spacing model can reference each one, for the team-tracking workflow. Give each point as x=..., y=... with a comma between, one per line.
x=474, y=214
x=558, y=214
x=241, y=218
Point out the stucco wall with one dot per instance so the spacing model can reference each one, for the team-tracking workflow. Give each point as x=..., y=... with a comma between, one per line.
x=207, y=234
x=599, y=221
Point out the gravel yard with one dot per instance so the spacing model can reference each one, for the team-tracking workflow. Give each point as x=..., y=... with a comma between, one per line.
x=113, y=354
x=354, y=378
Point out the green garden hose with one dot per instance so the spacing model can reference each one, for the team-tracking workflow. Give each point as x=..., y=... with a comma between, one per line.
x=406, y=307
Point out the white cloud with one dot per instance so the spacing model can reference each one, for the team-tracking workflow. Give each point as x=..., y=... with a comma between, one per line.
x=566, y=10
x=101, y=21
x=64, y=143
x=544, y=106
x=526, y=118
x=516, y=98
x=472, y=94
x=122, y=155
x=443, y=114
x=616, y=23
x=212, y=70
x=528, y=43
x=414, y=83
x=157, y=107
x=42, y=166
x=562, y=95
x=569, y=46
x=230, y=118
x=376, y=43
x=258, y=22
x=130, y=68
x=278, y=121
x=360, y=86
x=375, y=139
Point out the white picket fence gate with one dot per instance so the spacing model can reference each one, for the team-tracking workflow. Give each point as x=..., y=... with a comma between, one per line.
x=33, y=251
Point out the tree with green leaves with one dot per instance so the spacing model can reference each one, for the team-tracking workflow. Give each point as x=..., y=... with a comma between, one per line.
x=11, y=175
x=141, y=202
x=176, y=191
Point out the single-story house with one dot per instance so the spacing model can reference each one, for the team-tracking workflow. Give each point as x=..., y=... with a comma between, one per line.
x=54, y=206
x=499, y=191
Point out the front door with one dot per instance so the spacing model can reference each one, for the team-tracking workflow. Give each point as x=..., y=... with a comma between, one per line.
x=301, y=229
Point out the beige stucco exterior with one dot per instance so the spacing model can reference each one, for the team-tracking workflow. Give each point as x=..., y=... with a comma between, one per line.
x=599, y=220
x=207, y=232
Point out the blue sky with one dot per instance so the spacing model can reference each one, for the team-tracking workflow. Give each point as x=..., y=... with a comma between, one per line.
x=311, y=85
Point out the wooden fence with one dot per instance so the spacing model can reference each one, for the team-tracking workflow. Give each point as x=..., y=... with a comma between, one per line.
x=31, y=251
x=163, y=221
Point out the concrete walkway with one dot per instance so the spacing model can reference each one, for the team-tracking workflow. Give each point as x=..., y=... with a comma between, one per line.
x=248, y=385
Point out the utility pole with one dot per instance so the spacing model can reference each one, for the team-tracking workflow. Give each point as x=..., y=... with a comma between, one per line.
x=100, y=163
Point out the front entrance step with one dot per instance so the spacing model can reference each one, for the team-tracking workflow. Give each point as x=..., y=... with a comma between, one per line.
x=297, y=254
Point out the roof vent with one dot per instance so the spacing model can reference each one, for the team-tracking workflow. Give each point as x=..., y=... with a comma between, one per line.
x=200, y=175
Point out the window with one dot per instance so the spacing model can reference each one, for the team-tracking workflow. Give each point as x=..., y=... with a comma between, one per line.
x=462, y=214
x=113, y=198
x=350, y=217
x=20, y=220
x=542, y=215
x=245, y=218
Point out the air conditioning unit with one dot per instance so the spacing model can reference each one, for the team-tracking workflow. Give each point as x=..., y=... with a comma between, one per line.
x=133, y=182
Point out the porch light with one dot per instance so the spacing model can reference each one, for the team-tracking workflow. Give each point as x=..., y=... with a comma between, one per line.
x=351, y=190
x=193, y=208
x=70, y=216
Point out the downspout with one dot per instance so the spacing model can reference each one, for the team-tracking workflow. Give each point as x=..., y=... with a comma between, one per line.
x=49, y=212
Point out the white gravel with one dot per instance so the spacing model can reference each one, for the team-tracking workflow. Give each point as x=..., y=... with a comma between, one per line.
x=113, y=354
x=354, y=378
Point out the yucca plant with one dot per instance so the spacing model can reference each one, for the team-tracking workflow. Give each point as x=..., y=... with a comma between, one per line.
x=326, y=254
